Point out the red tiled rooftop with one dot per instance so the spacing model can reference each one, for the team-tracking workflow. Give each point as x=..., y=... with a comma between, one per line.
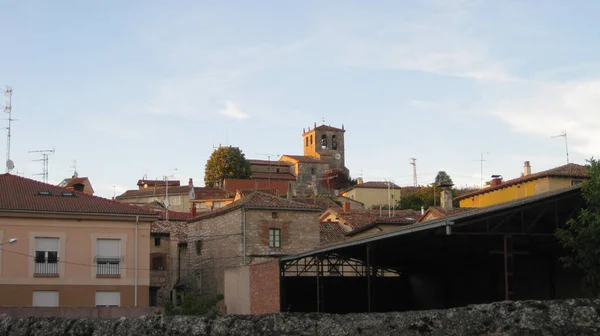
x=323, y=203
x=273, y=176
x=302, y=158
x=269, y=163
x=331, y=233
x=23, y=194
x=177, y=229
x=173, y=215
x=570, y=170
x=257, y=200
x=183, y=190
x=375, y=184
x=325, y=128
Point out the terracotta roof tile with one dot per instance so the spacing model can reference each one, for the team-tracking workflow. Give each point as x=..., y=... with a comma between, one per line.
x=302, y=158
x=322, y=203
x=184, y=190
x=331, y=233
x=257, y=200
x=173, y=215
x=246, y=192
x=273, y=176
x=571, y=170
x=325, y=128
x=23, y=194
x=178, y=229
x=375, y=184
x=269, y=163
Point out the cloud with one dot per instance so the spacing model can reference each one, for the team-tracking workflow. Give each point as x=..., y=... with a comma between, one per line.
x=552, y=108
x=231, y=110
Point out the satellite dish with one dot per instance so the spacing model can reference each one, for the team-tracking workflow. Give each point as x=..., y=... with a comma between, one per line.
x=10, y=165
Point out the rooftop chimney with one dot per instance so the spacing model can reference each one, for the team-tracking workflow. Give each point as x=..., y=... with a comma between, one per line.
x=346, y=206
x=446, y=196
x=191, y=182
x=526, y=169
x=193, y=210
x=496, y=180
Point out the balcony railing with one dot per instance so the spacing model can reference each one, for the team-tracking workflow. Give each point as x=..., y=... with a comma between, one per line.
x=46, y=266
x=108, y=266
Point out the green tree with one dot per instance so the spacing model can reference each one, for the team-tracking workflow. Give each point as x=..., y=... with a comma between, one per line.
x=442, y=178
x=581, y=235
x=226, y=162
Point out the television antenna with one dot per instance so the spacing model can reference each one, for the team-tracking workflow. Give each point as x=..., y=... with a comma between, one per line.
x=166, y=202
x=481, y=161
x=414, y=164
x=45, y=155
x=74, y=166
x=10, y=165
x=564, y=134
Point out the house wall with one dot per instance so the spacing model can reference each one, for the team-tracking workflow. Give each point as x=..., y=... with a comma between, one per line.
x=309, y=183
x=221, y=248
x=237, y=290
x=77, y=282
x=514, y=192
x=373, y=196
x=264, y=288
x=179, y=203
x=233, y=185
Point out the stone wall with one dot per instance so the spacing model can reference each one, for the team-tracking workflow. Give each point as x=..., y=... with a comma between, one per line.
x=570, y=317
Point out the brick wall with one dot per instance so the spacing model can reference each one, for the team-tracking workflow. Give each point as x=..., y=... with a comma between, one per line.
x=264, y=287
x=232, y=185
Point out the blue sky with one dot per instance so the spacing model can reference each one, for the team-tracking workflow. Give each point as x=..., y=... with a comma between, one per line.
x=129, y=88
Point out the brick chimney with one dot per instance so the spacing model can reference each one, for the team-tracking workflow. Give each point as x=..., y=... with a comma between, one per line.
x=193, y=210
x=346, y=207
x=496, y=180
x=526, y=168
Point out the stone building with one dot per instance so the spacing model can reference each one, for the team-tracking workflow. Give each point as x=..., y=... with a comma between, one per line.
x=251, y=230
x=323, y=151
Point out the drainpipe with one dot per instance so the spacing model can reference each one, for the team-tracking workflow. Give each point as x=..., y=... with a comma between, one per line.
x=135, y=266
x=244, y=236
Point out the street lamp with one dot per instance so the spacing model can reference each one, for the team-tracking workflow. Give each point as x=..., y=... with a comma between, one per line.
x=10, y=241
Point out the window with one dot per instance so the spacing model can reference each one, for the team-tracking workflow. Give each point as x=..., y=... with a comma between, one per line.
x=333, y=142
x=198, y=247
x=108, y=257
x=311, y=141
x=158, y=263
x=278, y=170
x=68, y=193
x=46, y=256
x=156, y=241
x=306, y=141
x=274, y=215
x=324, y=141
x=45, y=299
x=576, y=182
x=108, y=299
x=274, y=237
x=44, y=192
x=313, y=171
x=175, y=200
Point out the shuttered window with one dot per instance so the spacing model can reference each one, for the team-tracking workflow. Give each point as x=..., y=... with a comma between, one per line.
x=108, y=299
x=46, y=255
x=108, y=257
x=45, y=299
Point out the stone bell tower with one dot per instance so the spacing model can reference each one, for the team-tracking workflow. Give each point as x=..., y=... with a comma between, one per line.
x=326, y=143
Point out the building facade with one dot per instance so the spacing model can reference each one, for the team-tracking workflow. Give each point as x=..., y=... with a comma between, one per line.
x=374, y=193
x=525, y=186
x=255, y=229
x=70, y=249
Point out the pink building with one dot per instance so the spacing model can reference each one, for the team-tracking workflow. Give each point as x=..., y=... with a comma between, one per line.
x=72, y=249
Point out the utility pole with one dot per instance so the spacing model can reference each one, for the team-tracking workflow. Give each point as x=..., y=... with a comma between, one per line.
x=564, y=134
x=8, y=109
x=414, y=164
x=45, y=155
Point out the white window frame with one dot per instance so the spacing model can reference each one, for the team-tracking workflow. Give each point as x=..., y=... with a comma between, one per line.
x=109, y=264
x=46, y=251
x=45, y=296
x=105, y=297
x=275, y=238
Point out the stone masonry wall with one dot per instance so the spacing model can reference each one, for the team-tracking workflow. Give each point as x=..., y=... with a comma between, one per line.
x=264, y=287
x=569, y=317
x=221, y=247
x=299, y=231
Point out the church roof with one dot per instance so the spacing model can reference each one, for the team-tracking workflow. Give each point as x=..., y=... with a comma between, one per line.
x=325, y=128
x=302, y=158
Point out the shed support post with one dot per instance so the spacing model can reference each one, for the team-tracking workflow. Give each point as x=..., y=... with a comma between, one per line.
x=508, y=267
x=368, y=278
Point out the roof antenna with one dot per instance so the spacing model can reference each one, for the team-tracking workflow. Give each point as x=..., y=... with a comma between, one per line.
x=10, y=165
x=74, y=166
x=564, y=134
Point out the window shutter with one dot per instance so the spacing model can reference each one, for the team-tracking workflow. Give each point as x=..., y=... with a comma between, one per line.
x=108, y=248
x=108, y=299
x=45, y=298
x=46, y=244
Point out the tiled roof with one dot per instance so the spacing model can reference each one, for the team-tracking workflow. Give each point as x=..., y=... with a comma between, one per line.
x=158, y=183
x=347, y=199
x=360, y=218
x=23, y=194
x=173, y=215
x=184, y=190
x=331, y=233
x=273, y=176
x=325, y=128
x=322, y=203
x=178, y=229
x=258, y=200
x=570, y=170
x=450, y=212
x=246, y=192
x=269, y=163
x=302, y=158
x=375, y=184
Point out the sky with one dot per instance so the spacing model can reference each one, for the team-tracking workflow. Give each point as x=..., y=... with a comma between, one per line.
x=148, y=88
